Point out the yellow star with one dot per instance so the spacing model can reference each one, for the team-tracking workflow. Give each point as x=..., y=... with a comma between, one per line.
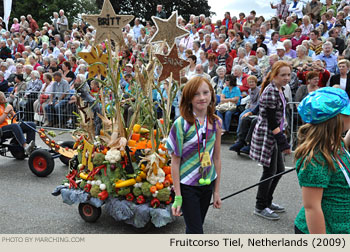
x=108, y=23
x=168, y=30
x=94, y=56
x=171, y=64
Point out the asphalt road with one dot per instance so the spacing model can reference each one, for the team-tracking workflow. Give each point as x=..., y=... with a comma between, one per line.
x=27, y=206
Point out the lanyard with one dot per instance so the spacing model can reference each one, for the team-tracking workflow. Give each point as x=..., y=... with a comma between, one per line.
x=206, y=137
x=342, y=165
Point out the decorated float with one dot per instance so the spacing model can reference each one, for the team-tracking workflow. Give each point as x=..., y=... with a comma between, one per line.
x=125, y=169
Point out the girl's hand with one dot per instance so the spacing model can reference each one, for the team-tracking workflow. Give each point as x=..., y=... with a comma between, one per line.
x=217, y=200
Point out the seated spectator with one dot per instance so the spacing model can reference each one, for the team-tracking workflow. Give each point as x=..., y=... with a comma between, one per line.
x=287, y=30
x=5, y=52
x=31, y=94
x=211, y=67
x=43, y=99
x=309, y=52
x=231, y=93
x=339, y=42
x=253, y=68
x=57, y=101
x=259, y=43
x=312, y=79
x=298, y=38
x=214, y=48
x=318, y=67
x=273, y=44
x=306, y=26
x=3, y=83
x=241, y=79
x=191, y=69
x=328, y=57
x=18, y=91
x=239, y=42
x=249, y=49
x=224, y=59
x=67, y=74
x=206, y=46
x=315, y=43
x=343, y=78
x=218, y=81
x=10, y=130
x=281, y=52
x=289, y=51
x=263, y=59
x=240, y=60
x=301, y=58
x=329, y=5
x=200, y=72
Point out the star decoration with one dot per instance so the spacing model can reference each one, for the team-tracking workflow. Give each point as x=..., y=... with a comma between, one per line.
x=171, y=64
x=108, y=23
x=167, y=30
x=95, y=56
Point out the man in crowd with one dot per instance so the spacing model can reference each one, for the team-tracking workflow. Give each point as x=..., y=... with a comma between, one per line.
x=224, y=59
x=160, y=13
x=327, y=56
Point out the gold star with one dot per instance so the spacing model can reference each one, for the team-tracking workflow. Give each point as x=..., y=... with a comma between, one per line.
x=171, y=64
x=167, y=30
x=94, y=56
x=108, y=23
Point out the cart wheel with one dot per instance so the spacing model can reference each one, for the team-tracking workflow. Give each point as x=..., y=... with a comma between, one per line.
x=16, y=150
x=144, y=229
x=89, y=213
x=65, y=144
x=41, y=163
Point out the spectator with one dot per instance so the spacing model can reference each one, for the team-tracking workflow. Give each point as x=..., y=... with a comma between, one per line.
x=227, y=22
x=259, y=43
x=3, y=83
x=281, y=52
x=200, y=72
x=191, y=69
x=212, y=66
x=287, y=30
x=67, y=74
x=160, y=13
x=317, y=66
x=328, y=6
x=273, y=44
x=231, y=93
x=314, y=7
x=224, y=59
x=137, y=29
x=306, y=26
x=63, y=23
x=57, y=100
x=301, y=58
x=312, y=79
x=289, y=51
x=274, y=24
x=239, y=42
x=328, y=57
x=241, y=79
x=18, y=90
x=281, y=9
x=314, y=43
x=343, y=78
x=31, y=94
x=218, y=81
x=16, y=25
x=5, y=52
x=339, y=42
x=298, y=38
x=296, y=8
x=32, y=23
x=263, y=59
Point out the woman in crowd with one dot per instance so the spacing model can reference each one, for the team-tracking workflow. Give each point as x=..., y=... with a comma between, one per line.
x=231, y=93
x=268, y=141
x=263, y=59
x=322, y=163
x=194, y=145
x=191, y=69
x=67, y=74
x=289, y=51
x=314, y=43
x=31, y=94
x=231, y=37
x=311, y=85
x=239, y=42
x=212, y=66
x=343, y=78
x=218, y=81
x=306, y=26
x=206, y=46
x=259, y=43
x=298, y=38
x=3, y=83
x=249, y=49
x=143, y=39
x=43, y=99
x=301, y=58
x=16, y=25
x=275, y=24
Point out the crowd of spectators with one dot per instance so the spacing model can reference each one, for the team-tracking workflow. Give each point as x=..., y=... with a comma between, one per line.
x=41, y=69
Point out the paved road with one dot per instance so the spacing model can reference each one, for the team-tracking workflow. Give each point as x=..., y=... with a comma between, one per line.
x=27, y=206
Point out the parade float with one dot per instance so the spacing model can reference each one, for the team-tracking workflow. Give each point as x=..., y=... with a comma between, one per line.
x=125, y=169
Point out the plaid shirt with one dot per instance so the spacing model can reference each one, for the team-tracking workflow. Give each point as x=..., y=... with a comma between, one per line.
x=263, y=142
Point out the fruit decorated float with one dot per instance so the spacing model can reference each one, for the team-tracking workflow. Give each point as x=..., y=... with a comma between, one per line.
x=126, y=168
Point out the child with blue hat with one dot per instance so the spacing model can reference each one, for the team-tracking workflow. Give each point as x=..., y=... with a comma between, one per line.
x=323, y=162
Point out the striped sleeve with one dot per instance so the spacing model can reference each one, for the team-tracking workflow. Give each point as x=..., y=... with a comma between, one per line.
x=176, y=137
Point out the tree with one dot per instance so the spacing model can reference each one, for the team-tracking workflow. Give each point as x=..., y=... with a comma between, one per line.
x=41, y=10
x=147, y=8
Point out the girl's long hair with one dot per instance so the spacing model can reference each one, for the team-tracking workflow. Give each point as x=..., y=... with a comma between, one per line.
x=188, y=93
x=324, y=138
x=273, y=73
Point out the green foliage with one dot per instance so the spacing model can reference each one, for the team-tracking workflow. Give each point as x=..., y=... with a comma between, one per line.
x=146, y=9
x=42, y=10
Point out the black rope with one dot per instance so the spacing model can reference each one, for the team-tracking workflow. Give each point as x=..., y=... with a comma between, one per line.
x=262, y=181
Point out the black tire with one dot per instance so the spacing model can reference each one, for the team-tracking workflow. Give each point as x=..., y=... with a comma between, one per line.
x=16, y=150
x=65, y=144
x=89, y=213
x=41, y=163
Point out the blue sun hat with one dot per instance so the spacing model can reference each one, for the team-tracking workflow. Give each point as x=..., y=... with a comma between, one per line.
x=323, y=104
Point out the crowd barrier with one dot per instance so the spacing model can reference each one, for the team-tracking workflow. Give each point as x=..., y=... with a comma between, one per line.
x=36, y=108
x=294, y=122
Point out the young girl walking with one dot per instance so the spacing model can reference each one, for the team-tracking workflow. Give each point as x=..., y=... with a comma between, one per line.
x=194, y=144
x=323, y=163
